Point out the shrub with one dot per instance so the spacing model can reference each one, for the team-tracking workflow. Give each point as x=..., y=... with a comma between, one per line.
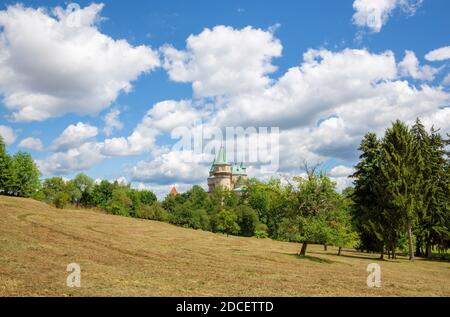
x=61, y=200
x=261, y=231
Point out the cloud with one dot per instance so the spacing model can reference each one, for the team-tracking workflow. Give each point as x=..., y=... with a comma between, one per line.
x=112, y=122
x=53, y=63
x=224, y=60
x=311, y=91
x=446, y=80
x=163, y=117
x=73, y=160
x=171, y=167
x=439, y=54
x=7, y=134
x=373, y=14
x=340, y=174
x=32, y=144
x=409, y=66
x=73, y=136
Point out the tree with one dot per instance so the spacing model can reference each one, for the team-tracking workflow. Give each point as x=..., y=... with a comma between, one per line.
x=25, y=175
x=308, y=222
x=188, y=216
x=81, y=189
x=5, y=168
x=147, y=197
x=153, y=212
x=399, y=179
x=431, y=199
x=367, y=209
x=102, y=193
x=227, y=222
x=342, y=233
x=120, y=203
x=51, y=187
x=247, y=220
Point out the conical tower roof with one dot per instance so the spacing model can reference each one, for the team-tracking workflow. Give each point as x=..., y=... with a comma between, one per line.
x=221, y=158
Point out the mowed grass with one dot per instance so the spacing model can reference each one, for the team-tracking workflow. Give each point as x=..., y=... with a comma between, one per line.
x=130, y=257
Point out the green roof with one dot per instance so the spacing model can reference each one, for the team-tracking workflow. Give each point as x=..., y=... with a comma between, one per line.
x=238, y=169
x=221, y=158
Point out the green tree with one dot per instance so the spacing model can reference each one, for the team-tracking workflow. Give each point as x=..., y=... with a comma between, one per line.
x=308, y=222
x=5, y=169
x=81, y=188
x=227, y=222
x=102, y=193
x=247, y=220
x=342, y=233
x=153, y=212
x=120, y=203
x=400, y=181
x=25, y=175
x=367, y=212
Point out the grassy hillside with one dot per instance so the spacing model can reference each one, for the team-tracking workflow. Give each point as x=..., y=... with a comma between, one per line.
x=123, y=256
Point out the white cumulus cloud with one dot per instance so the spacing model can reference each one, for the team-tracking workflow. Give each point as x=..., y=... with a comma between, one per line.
x=32, y=144
x=373, y=14
x=73, y=136
x=439, y=54
x=224, y=60
x=409, y=66
x=58, y=62
x=8, y=135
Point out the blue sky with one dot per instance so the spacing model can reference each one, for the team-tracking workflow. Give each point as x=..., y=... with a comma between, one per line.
x=367, y=67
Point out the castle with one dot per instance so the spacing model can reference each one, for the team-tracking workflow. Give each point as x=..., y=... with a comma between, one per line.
x=229, y=176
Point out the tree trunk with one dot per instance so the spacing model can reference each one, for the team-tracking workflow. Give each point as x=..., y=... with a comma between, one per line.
x=389, y=254
x=428, y=252
x=339, y=251
x=410, y=242
x=303, y=249
x=325, y=247
x=382, y=253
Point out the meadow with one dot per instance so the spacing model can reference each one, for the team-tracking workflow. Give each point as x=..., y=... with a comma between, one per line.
x=121, y=256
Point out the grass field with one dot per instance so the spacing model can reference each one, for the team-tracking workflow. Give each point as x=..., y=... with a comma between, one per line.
x=130, y=257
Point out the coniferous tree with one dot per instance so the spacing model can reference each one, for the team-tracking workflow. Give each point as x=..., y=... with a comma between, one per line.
x=399, y=180
x=366, y=210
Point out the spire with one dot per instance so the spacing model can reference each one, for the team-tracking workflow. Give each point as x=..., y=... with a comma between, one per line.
x=221, y=157
x=173, y=191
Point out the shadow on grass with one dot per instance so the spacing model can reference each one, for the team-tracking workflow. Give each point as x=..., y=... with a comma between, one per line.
x=344, y=255
x=312, y=258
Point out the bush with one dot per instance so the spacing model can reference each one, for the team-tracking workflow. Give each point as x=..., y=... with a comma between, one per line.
x=261, y=231
x=261, y=234
x=61, y=200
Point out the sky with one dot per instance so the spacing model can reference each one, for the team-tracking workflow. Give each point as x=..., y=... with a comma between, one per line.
x=105, y=88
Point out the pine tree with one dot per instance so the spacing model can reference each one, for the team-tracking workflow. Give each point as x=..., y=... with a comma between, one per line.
x=366, y=210
x=399, y=179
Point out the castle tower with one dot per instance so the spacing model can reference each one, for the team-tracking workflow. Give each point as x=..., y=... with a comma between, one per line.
x=229, y=176
x=220, y=172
